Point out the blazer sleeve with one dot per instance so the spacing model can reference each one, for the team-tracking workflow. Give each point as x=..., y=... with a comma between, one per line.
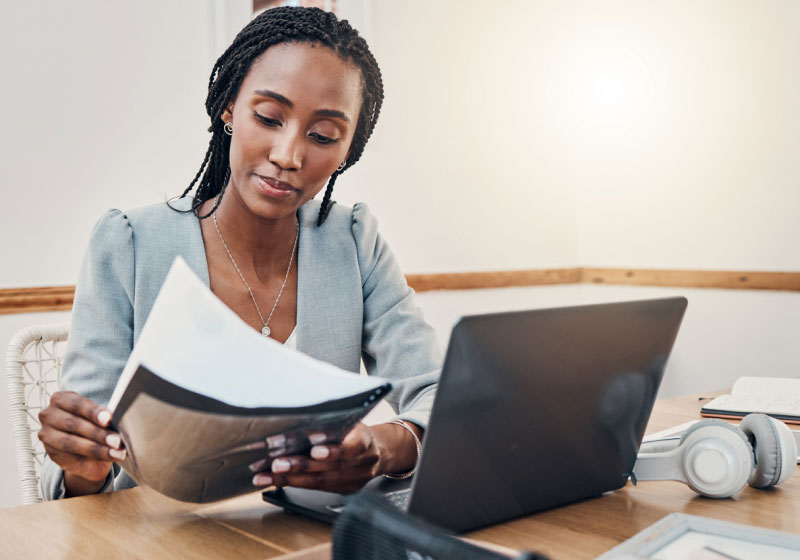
x=101, y=333
x=397, y=343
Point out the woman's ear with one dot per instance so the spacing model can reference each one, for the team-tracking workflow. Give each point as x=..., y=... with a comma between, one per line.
x=227, y=114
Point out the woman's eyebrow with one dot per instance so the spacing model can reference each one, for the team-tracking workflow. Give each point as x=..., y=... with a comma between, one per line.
x=276, y=96
x=283, y=100
x=332, y=113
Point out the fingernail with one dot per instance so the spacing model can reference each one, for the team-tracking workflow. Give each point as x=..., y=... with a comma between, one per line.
x=320, y=452
x=104, y=417
x=258, y=465
x=117, y=454
x=262, y=480
x=113, y=440
x=280, y=465
x=317, y=438
x=276, y=441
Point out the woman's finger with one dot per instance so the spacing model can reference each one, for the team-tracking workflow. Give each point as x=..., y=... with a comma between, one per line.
x=58, y=441
x=301, y=463
x=81, y=406
x=326, y=453
x=347, y=480
x=69, y=423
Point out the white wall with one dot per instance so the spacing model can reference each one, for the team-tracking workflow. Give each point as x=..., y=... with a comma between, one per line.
x=535, y=134
x=695, y=163
x=105, y=108
x=457, y=172
x=604, y=133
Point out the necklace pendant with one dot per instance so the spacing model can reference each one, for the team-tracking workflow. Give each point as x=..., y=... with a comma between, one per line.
x=265, y=331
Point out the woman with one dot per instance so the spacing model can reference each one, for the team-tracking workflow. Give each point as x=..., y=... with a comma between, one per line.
x=292, y=103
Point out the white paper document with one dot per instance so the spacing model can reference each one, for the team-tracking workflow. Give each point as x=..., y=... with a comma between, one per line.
x=202, y=392
x=194, y=340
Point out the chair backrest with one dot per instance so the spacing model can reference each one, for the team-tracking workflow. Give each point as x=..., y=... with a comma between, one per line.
x=33, y=369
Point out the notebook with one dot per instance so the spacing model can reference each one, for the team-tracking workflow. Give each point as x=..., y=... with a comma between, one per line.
x=534, y=409
x=777, y=396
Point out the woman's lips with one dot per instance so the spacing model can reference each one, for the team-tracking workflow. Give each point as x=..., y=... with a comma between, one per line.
x=274, y=188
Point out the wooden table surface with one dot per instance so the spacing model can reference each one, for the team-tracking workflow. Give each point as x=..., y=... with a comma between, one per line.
x=140, y=523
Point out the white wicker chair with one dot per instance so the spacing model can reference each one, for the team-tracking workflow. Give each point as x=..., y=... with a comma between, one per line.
x=33, y=369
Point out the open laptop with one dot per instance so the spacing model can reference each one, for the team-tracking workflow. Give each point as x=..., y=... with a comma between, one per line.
x=534, y=409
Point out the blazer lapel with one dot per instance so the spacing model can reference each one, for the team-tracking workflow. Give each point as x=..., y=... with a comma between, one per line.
x=329, y=301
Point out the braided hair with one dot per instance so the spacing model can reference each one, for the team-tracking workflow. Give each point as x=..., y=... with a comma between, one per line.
x=274, y=26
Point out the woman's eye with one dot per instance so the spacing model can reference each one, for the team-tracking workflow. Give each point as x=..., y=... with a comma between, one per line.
x=323, y=139
x=267, y=121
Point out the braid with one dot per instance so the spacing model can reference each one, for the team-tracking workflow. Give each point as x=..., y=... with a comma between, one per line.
x=326, y=199
x=274, y=26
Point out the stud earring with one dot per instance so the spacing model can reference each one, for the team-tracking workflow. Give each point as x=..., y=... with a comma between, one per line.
x=342, y=166
x=228, y=128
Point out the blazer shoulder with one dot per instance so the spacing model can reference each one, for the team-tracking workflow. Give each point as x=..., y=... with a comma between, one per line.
x=161, y=215
x=340, y=215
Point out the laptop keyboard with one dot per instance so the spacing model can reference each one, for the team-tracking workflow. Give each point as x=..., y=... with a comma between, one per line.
x=399, y=498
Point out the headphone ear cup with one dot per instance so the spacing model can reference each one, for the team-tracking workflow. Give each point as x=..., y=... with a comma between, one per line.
x=774, y=448
x=718, y=459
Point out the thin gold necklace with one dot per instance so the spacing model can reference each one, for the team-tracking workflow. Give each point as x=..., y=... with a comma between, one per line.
x=265, y=330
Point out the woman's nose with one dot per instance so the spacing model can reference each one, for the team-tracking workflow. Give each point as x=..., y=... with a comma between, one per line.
x=286, y=151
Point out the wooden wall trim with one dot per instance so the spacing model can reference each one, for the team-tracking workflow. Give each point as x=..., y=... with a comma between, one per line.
x=59, y=298
x=30, y=300
x=719, y=279
x=496, y=279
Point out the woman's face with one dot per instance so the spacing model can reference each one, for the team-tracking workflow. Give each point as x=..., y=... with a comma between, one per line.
x=293, y=122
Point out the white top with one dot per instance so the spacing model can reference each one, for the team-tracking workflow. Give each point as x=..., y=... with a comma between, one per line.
x=291, y=342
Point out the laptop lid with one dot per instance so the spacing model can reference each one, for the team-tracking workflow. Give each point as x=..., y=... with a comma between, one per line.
x=534, y=409
x=540, y=408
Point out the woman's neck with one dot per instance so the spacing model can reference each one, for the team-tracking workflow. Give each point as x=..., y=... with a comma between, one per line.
x=262, y=245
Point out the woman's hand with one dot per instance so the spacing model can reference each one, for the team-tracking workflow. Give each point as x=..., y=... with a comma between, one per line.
x=365, y=452
x=75, y=435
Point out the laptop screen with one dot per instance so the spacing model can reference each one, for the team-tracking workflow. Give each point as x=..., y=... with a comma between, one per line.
x=540, y=408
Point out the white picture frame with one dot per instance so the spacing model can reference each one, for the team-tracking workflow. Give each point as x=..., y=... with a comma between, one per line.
x=684, y=536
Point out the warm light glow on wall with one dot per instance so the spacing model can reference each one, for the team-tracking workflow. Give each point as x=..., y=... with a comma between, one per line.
x=616, y=93
x=609, y=89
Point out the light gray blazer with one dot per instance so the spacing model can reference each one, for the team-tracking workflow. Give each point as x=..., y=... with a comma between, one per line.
x=353, y=303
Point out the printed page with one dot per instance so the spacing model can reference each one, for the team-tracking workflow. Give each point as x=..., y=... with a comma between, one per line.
x=200, y=456
x=191, y=338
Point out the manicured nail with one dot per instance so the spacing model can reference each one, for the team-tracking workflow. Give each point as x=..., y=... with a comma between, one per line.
x=281, y=465
x=262, y=480
x=104, y=417
x=118, y=454
x=113, y=440
x=320, y=452
x=276, y=441
x=258, y=465
x=317, y=438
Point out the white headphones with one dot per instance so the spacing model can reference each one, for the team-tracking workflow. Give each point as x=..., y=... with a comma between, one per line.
x=717, y=459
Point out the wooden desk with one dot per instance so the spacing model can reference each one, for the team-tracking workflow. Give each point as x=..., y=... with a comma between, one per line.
x=140, y=523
